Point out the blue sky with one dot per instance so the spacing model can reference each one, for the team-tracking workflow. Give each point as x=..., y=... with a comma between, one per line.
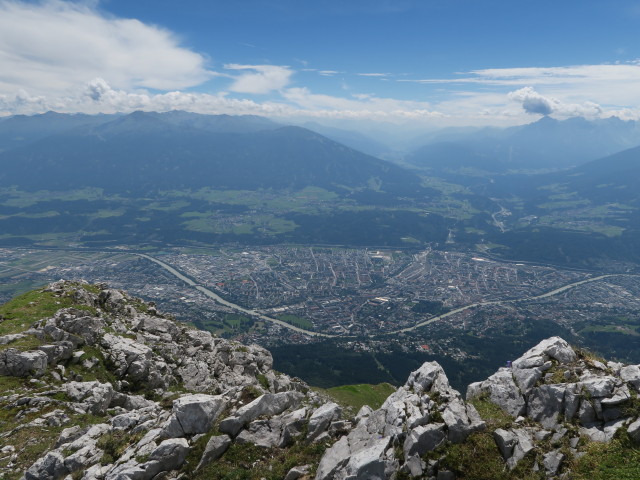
x=432, y=63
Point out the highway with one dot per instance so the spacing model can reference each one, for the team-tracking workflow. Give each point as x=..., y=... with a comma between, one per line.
x=222, y=301
x=551, y=293
x=455, y=311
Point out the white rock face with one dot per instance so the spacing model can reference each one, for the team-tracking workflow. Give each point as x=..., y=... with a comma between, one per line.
x=404, y=418
x=95, y=397
x=322, y=417
x=15, y=363
x=502, y=391
x=592, y=393
x=194, y=414
x=423, y=439
x=269, y=404
x=146, y=354
x=216, y=446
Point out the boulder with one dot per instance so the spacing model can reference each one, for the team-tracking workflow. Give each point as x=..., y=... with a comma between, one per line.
x=167, y=330
x=554, y=347
x=297, y=472
x=501, y=390
x=506, y=441
x=125, y=421
x=268, y=404
x=170, y=454
x=62, y=350
x=598, y=387
x=423, y=439
x=113, y=301
x=215, y=448
x=70, y=434
x=631, y=375
x=546, y=404
x=7, y=339
x=364, y=412
x=634, y=430
x=49, y=467
x=370, y=463
x=94, y=397
x=603, y=434
x=292, y=426
x=78, y=323
x=321, y=418
x=83, y=458
x=334, y=459
x=196, y=413
x=424, y=377
x=458, y=422
x=262, y=433
x=552, y=462
x=15, y=363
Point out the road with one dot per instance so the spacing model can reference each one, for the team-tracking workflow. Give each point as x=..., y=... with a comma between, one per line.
x=222, y=301
x=455, y=311
x=253, y=313
x=551, y=293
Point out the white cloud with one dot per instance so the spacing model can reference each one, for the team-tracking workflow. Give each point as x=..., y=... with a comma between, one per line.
x=373, y=74
x=535, y=103
x=52, y=46
x=260, y=79
x=97, y=96
x=329, y=73
x=613, y=85
x=71, y=57
x=359, y=106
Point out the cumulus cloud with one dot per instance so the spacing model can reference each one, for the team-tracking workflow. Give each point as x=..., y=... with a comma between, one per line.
x=52, y=46
x=537, y=104
x=98, y=96
x=612, y=85
x=533, y=102
x=260, y=79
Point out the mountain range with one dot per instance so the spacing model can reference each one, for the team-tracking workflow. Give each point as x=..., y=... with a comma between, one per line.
x=183, y=177
x=547, y=144
x=143, y=152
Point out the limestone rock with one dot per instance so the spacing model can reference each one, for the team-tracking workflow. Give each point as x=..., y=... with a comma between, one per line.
x=322, y=417
x=170, y=454
x=194, y=414
x=634, y=430
x=546, y=404
x=216, y=446
x=552, y=462
x=95, y=397
x=49, y=467
x=269, y=404
x=296, y=472
x=424, y=439
x=631, y=375
x=15, y=363
x=501, y=390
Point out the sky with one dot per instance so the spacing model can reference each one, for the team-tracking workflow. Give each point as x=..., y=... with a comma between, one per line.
x=430, y=63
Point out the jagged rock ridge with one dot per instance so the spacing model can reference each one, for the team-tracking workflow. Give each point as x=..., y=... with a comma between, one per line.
x=107, y=388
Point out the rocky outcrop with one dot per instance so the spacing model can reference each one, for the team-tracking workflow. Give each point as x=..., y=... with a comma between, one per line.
x=15, y=363
x=418, y=418
x=119, y=392
x=559, y=389
x=134, y=352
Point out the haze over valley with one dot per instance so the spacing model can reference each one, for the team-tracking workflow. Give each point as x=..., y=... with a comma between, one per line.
x=365, y=258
